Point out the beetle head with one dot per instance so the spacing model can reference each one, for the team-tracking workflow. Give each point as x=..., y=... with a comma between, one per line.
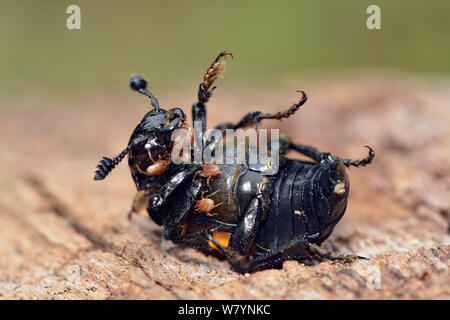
x=154, y=133
x=151, y=139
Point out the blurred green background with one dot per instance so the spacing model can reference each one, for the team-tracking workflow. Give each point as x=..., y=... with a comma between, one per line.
x=172, y=42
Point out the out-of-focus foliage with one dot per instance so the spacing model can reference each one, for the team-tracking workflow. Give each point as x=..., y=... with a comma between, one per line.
x=173, y=41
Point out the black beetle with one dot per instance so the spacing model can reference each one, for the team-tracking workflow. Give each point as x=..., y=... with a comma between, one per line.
x=259, y=221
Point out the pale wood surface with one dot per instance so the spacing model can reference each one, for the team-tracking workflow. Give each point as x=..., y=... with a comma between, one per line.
x=64, y=236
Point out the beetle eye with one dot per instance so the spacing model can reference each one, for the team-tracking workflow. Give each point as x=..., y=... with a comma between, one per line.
x=177, y=113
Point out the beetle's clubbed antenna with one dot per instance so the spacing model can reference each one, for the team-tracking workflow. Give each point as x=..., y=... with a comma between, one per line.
x=107, y=164
x=214, y=73
x=139, y=84
x=363, y=162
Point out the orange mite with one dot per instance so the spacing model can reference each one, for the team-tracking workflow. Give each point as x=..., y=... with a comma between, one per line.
x=208, y=171
x=158, y=167
x=206, y=205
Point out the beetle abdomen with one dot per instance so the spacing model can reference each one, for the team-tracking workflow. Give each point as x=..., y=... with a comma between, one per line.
x=304, y=202
x=279, y=225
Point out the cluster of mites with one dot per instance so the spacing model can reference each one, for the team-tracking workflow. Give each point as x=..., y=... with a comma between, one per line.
x=208, y=171
x=206, y=205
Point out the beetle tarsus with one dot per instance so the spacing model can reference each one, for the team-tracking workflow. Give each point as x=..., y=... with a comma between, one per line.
x=318, y=156
x=362, y=162
x=256, y=117
x=214, y=73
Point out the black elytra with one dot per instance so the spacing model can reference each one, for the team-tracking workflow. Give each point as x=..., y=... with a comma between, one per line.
x=253, y=219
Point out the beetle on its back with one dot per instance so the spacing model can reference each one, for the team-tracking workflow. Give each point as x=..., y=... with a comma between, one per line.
x=255, y=220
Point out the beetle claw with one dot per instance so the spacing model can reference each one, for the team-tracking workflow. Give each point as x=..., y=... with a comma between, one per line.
x=226, y=53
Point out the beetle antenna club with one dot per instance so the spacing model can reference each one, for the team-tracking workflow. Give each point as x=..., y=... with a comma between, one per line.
x=139, y=84
x=106, y=165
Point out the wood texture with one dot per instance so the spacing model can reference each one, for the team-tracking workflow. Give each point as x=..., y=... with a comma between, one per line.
x=64, y=236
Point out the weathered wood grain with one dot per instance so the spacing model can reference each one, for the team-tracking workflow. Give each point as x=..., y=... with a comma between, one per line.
x=64, y=236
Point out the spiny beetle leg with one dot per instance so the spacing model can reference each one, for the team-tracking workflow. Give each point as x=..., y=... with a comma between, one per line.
x=180, y=211
x=363, y=162
x=214, y=72
x=318, y=156
x=308, y=151
x=205, y=91
x=245, y=232
x=157, y=200
x=256, y=117
x=317, y=251
x=294, y=250
x=190, y=239
x=237, y=261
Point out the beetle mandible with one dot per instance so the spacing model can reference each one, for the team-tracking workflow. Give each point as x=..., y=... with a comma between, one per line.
x=258, y=220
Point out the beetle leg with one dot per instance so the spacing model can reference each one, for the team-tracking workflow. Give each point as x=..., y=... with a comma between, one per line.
x=179, y=215
x=256, y=117
x=199, y=122
x=318, y=251
x=242, y=238
x=158, y=199
x=318, y=156
x=212, y=144
x=205, y=91
x=214, y=73
x=244, y=234
x=362, y=162
x=309, y=151
x=294, y=250
x=236, y=260
x=187, y=238
x=179, y=212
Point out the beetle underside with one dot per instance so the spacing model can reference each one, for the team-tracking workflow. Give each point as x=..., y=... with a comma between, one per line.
x=254, y=219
